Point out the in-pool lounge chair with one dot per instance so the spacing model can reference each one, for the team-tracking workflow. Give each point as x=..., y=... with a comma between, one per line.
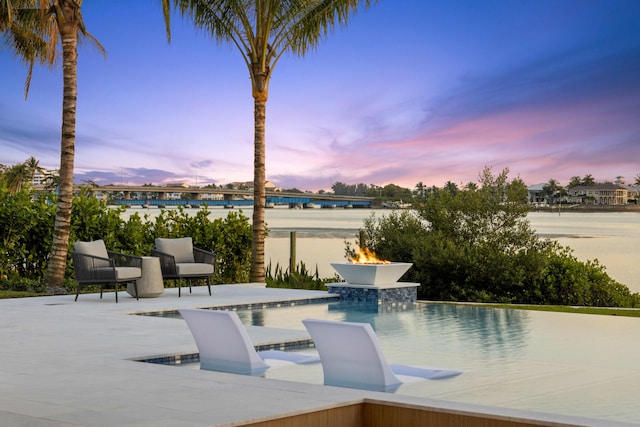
x=180, y=260
x=351, y=356
x=93, y=264
x=224, y=344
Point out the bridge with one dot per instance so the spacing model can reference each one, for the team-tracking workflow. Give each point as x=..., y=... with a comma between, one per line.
x=226, y=197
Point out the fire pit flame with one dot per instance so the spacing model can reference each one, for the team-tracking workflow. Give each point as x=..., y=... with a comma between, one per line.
x=367, y=256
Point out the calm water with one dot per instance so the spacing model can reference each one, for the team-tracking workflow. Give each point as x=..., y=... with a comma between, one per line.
x=561, y=363
x=612, y=238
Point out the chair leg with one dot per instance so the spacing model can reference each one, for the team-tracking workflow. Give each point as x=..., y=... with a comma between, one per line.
x=189, y=282
x=116, y=292
x=77, y=292
x=179, y=287
x=101, y=291
x=135, y=288
x=209, y=285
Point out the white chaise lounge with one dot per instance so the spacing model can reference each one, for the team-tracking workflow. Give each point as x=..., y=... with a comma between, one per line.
x=351, y=356
x=224, y=344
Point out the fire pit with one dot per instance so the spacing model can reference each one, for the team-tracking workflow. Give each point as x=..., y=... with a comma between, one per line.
x=371, y=274
x=371, y=280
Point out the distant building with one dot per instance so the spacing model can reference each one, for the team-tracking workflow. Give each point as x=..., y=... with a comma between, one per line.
x=248, y=185
x=599, y=194
x=535, y=194
x=40, y=177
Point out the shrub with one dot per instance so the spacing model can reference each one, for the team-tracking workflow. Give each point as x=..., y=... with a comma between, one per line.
x=26, y=227
x=301, y=278
x=26, y=230
x=477, y=245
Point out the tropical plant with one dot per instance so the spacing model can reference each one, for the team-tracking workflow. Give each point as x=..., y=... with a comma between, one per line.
x=264, y=30
x=20, y=175
x=20, y=25
x=637, y=182
x=15, y=177
x=552, y=189
x=65, y=20
x=34, y=28
x=575, y=181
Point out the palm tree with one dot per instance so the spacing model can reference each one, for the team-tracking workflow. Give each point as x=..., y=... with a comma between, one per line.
x=20, y=25
x=47, y=21
x=552, y=189
x=588, y=180
x=575, y=181
x=637, y=182
x=451, y=187
x=33, y=166
x=16, y=177
x=21, y=175
x=66, y=21
x=263, y=30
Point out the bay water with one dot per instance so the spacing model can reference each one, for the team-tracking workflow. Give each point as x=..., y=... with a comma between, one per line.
x=613, y=238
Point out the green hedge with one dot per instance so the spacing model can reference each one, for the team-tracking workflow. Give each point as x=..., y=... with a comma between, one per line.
x=26, y=230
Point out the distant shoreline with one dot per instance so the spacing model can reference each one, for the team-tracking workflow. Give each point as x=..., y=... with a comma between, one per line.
x=588, y=208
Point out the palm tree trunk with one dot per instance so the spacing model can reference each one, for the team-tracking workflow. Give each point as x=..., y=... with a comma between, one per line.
x=257, y=273
x=58, y=257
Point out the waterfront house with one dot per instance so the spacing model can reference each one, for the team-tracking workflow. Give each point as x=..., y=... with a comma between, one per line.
x=536, y=194
x=600, y=194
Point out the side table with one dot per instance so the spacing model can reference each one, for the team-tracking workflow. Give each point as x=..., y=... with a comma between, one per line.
x=150, y=285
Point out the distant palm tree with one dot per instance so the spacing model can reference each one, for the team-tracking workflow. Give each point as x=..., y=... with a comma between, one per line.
x=552, y=189
x=263, y=30
x=575, y=181
x=35, y=22
x=637, y=180
x=451, y=187
x=33, y=166
x=420, y=189
x=588, y=180
x=16, y=177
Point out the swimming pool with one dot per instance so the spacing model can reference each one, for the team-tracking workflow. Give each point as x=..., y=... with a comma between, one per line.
x=572, y=364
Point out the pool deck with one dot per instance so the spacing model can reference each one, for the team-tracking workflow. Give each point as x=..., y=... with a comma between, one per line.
x=66, y=363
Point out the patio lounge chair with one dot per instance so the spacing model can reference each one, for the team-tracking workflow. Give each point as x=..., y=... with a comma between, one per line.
x=224, y=344
x=93, y=264
x=351, y=356
x=180, y=260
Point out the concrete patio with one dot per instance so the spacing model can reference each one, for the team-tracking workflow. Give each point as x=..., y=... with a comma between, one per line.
x=66, y=363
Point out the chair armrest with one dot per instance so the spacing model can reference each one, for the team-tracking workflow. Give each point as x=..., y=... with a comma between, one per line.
x=90, y=268
x=167, y=263
x=206, y=257
x=125, y=260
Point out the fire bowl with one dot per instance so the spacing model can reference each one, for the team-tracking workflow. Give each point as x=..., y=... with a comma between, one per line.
x=371, y=274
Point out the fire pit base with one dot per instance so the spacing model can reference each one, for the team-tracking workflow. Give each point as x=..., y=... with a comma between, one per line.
x=399, y=292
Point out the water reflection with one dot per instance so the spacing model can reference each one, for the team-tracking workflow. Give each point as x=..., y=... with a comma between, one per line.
x=419, y=327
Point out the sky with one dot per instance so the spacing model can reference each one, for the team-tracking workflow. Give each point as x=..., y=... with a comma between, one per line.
x=410, y=91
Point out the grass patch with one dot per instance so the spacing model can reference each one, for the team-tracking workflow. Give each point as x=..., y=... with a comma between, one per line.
x=19, y=294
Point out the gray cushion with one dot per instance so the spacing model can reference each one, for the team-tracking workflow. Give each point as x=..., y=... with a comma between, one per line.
x=128, y=273
x=181, y=249
x=95, y=248
x=194, y=269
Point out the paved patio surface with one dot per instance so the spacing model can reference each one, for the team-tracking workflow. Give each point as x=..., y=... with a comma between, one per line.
x=66, y=363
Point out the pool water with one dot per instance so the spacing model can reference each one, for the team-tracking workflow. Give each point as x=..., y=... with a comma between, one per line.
x=571, y=364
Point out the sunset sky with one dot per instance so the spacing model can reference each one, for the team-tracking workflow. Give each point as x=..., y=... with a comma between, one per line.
x=411, y=91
